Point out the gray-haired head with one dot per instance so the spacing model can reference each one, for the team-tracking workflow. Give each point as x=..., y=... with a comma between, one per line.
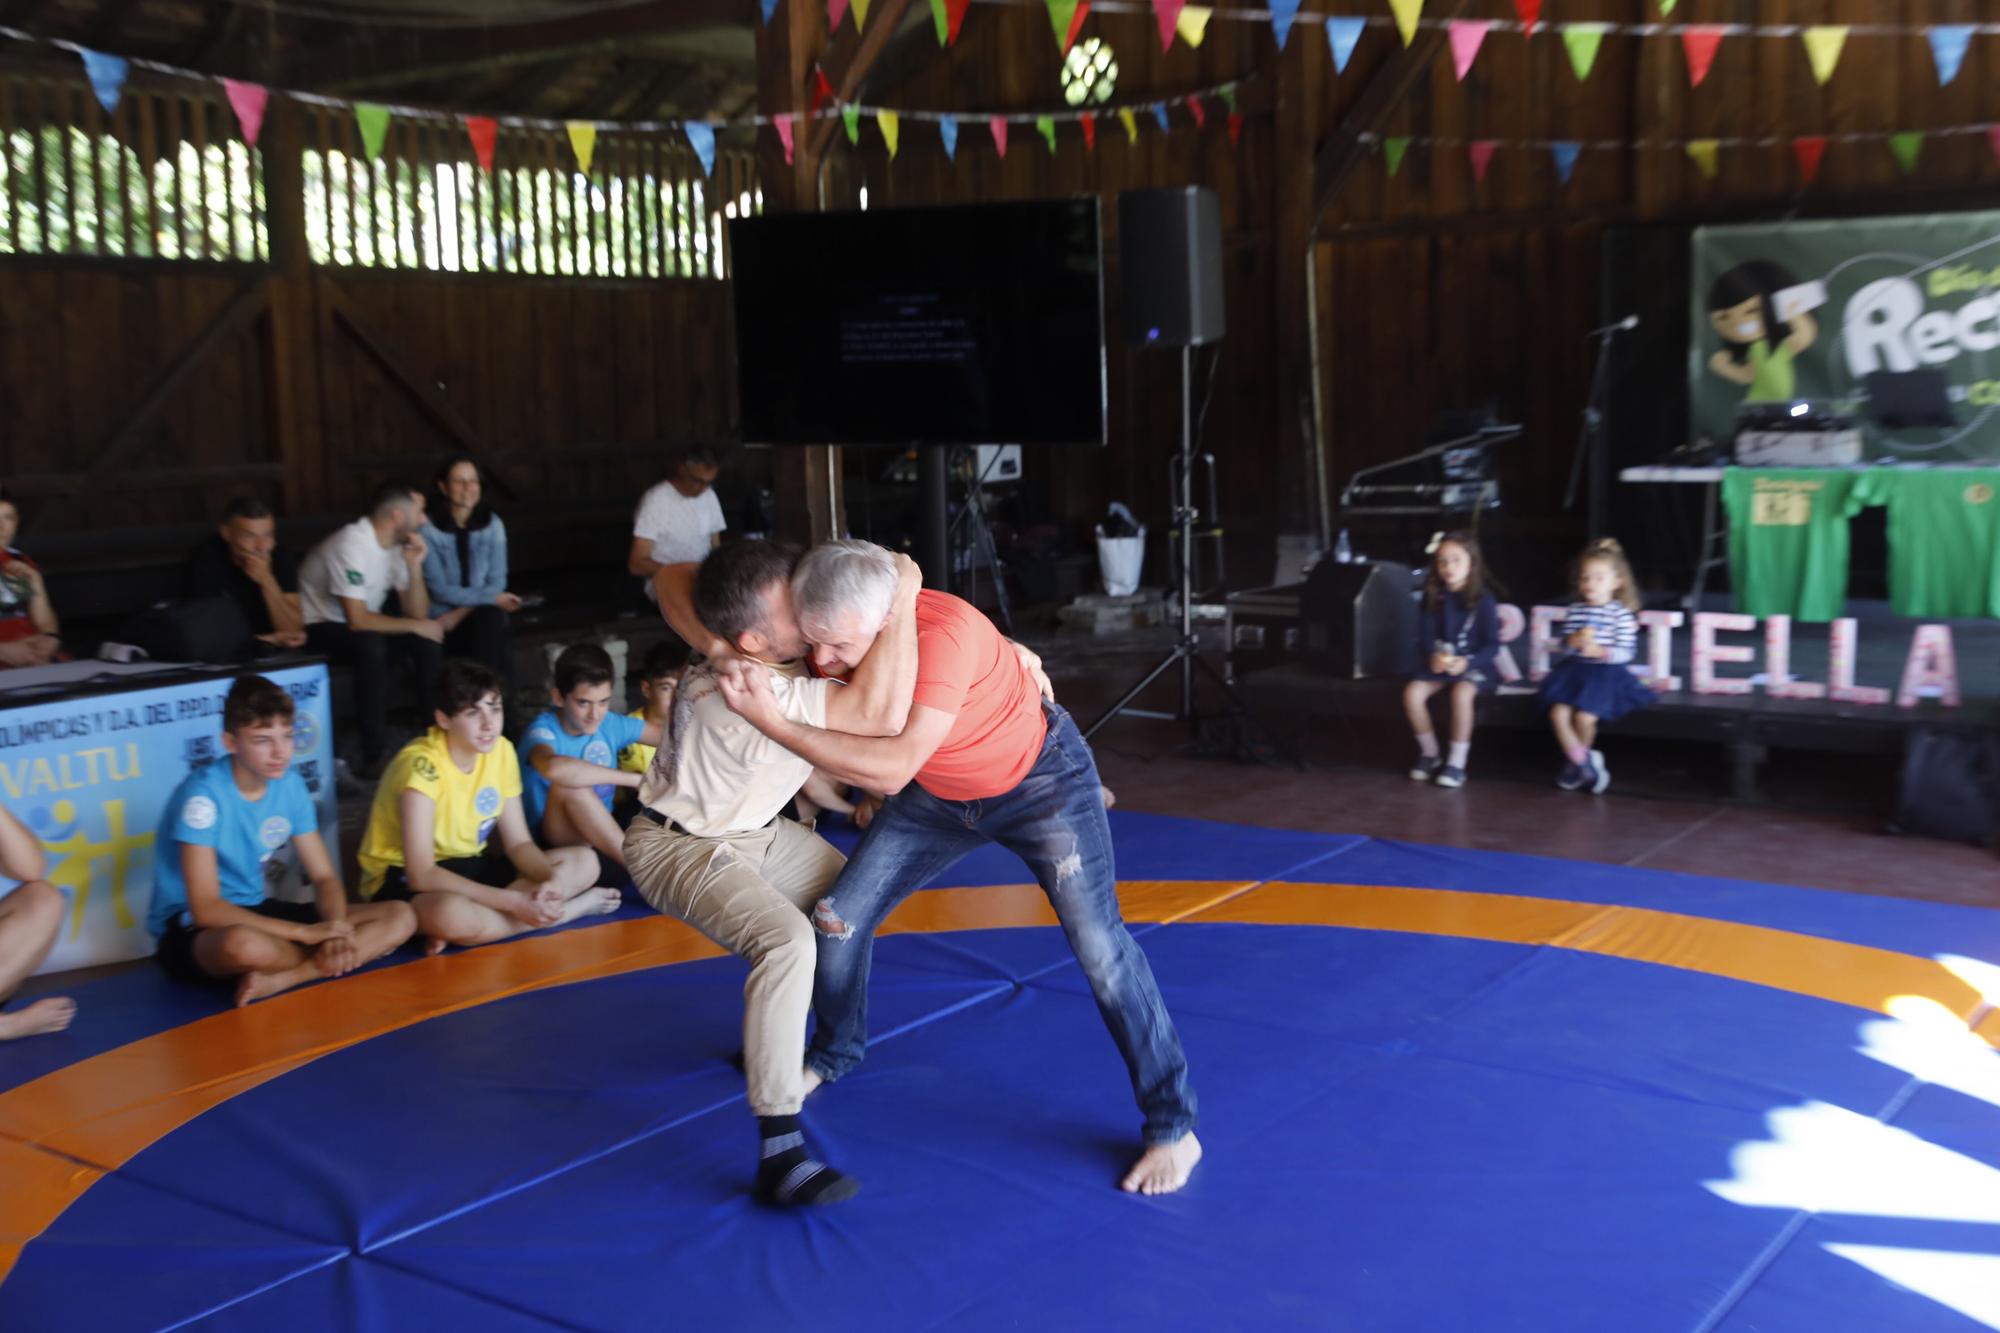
x=844, y=585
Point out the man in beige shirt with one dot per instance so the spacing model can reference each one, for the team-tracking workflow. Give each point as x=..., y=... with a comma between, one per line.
x=710, y=847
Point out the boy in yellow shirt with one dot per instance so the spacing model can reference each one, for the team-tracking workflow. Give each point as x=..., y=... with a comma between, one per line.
x=430, y=831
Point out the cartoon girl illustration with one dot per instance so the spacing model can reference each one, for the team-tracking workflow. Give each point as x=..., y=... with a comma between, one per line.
x=1759, y=348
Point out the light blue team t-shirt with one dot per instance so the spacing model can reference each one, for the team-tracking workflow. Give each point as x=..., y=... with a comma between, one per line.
x=207, y=810
x=599, y=747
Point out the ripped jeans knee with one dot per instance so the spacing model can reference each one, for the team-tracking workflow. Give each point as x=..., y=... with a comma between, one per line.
x=827, y=921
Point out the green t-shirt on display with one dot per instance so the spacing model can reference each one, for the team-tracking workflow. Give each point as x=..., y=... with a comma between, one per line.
x=1944, y=539
x=1773, y=375
x=1788, y=539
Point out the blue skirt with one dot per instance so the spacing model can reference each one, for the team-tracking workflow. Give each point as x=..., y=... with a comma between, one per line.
x=1485, y=681
x=1604, y=691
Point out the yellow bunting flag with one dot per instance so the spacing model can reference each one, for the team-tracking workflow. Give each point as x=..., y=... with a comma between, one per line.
x=1823, y=45
x=1192, y=25
x=582, y=141
x=1406, y=17
x=891, y=125
x=860, y=14
x=1703, y=151
x=1130, y=122
x=1583, y=39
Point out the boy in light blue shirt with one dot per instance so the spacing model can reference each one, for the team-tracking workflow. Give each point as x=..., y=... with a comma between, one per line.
x=569, y=770
x=210, y=912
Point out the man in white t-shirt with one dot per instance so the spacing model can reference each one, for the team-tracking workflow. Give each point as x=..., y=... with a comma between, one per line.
x=679, y=521
x=343, y=586
x=710, y=847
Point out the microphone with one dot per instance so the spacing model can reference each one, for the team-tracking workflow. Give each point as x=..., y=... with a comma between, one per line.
x=1625, y=325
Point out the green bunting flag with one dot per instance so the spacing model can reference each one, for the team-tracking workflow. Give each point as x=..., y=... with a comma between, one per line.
x=1583, y=39
x=1047, y=125
x=374, y=123
x=1393, y=149
x=850, y=116
x=1907, y=147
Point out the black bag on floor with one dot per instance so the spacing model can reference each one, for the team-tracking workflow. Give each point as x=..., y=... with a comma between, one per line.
x=1951, y=786
x=196, y=629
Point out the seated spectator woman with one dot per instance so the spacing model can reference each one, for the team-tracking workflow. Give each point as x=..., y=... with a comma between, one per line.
x=28, y=627
x=466, y=566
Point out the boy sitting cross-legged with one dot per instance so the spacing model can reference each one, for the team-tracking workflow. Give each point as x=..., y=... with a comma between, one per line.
x=228, y=817
x=430, y=832
x=572, y=752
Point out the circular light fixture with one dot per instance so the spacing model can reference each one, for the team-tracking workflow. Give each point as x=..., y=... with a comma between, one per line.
x=1090, y=73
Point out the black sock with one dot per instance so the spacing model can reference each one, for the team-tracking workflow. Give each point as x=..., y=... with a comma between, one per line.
x=787, y=1173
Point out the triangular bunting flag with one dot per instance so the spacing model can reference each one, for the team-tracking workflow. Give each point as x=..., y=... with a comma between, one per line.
x=1282, y=14
x=770, y=7
x=1565, y=152
x=891, y=125
x=1160, y=115
x=850, y=118
x=1192, y=25
x=247, y=101
x=836, y=10
x=1467, y=36
x=1809, y=149
x=942, y=20
x=860, y=14
x=1199, y=112
x=701, y=137
x=786, y=127
x=1907, y=146
x=822, y=90
x=999, y=128
x=1168, y=12
x=1076, y=24
x=1060, y=14
x=1342, y=34
x=374, y=123
x=1406, y=17
x=1481, y=153
x=1582, y=39
x=482, y=130
x=1700, y=42
x=1047, y=126
x=1948, y=44
x=1235, y=128
x=1131, y=124
x=1227, y=92
x=582, y=141
x=1823, y=46
x=955, y=12
x=1667, y=7
x=1088, y=124
x=1530, y=13
x=1393, y=149
x=1702, y=153
x=107, y=77
x=948, y=132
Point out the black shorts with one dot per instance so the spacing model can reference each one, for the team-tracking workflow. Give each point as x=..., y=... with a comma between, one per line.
x=175, y=951
x=491, y=868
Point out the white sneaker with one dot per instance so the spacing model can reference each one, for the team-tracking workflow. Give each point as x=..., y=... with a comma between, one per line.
x=1600, y=775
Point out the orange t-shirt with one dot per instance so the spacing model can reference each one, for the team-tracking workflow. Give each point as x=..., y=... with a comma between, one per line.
x=965, y=667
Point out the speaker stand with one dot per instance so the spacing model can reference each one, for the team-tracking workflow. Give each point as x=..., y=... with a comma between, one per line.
x=1239, y=742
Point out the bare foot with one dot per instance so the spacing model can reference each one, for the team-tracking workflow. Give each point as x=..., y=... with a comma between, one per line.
x=593, y=902
x=433, y=946
x=1108, y=796
x=51, y=1015
x=255, y=986
x=1164, y=1167
x=810, y=1082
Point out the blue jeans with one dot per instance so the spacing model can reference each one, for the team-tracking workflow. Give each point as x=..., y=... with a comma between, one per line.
x=1053, y=820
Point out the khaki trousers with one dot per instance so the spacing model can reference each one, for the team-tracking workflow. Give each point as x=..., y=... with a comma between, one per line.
x=751, y=893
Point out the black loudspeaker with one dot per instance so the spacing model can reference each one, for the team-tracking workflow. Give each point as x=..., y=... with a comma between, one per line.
x=1170, y=252
x=1360, y=619
x=1951, y=786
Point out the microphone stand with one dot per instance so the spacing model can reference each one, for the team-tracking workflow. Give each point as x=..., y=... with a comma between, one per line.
x=1589, y=435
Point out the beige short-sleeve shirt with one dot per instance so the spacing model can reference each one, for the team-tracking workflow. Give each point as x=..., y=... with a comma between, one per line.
x=733, y=778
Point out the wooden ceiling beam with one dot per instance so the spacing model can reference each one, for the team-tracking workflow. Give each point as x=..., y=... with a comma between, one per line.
x=888, y=19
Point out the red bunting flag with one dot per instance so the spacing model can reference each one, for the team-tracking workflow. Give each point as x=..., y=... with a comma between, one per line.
x=1199, y=113
x=1531, y=14
x=1700, y=41
x=954, y=14
x=1076, y=24
x=783, y=125
x=1481, y=153
x=1088, y=122
x=1809, y=150
x=1169, y=14
x=822, y=90
x=1993, y=138
x=482, y=130
x=1235, y=129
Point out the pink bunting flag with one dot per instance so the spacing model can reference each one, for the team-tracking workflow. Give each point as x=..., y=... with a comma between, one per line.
x=247, y=100
x=836, y=10
x=1169, y=14
x=482, y=130
x=1481, y=153
x=783, y=125
x=1467, y=36
x=999, y=128
x=1199, y=112
x=1700, y=40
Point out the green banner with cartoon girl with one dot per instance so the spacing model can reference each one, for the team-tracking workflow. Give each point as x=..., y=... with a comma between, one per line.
x=1808, y=312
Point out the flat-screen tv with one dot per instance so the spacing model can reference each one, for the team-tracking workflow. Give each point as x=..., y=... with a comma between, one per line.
x=963, y=325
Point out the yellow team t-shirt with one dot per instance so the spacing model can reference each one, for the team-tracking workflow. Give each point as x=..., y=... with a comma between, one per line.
x=468, y=804
x=636, y=758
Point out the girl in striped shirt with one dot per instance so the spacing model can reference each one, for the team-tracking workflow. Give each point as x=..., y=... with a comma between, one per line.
x=1592, y=681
